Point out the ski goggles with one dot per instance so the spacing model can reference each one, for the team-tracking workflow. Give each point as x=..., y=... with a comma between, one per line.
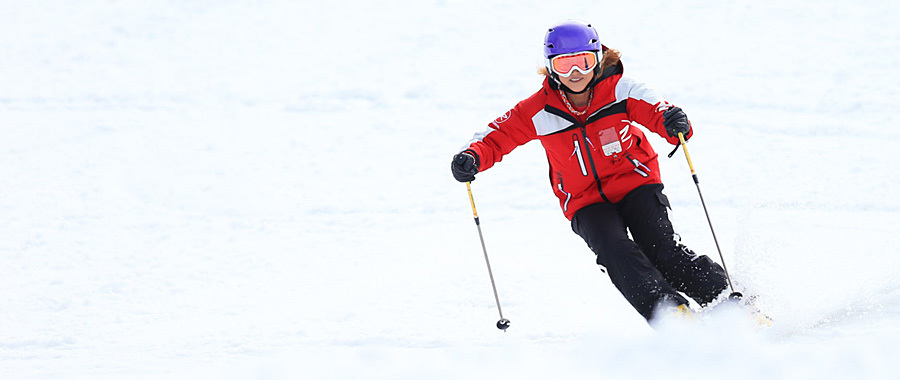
x=564, y=64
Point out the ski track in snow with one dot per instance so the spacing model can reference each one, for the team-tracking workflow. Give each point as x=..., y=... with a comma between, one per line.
x=244, y=189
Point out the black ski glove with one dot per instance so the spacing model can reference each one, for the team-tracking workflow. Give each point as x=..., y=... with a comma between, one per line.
x=676, y=121
x=464, y=166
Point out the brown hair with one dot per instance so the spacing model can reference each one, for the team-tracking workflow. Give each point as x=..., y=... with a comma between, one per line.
x=610, y=58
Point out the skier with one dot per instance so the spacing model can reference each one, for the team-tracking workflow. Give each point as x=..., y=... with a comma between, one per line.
x=603, y=169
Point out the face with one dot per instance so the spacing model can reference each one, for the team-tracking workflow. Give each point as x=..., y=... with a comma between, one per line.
x=574, y=70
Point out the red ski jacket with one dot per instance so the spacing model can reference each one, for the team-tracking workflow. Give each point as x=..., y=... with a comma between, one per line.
x=598, y=157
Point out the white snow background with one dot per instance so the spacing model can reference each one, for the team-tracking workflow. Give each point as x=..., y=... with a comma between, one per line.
x=261, y=190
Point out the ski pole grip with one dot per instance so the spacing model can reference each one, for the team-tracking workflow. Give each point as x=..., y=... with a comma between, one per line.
x=472, y=201
x=687, y=155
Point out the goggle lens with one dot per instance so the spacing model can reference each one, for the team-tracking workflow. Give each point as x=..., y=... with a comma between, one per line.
x=584, y=62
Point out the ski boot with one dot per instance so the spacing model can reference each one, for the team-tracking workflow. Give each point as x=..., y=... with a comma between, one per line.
x=747, y=303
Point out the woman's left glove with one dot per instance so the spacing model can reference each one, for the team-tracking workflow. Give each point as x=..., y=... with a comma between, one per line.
x=465, y=166
x=676, y=121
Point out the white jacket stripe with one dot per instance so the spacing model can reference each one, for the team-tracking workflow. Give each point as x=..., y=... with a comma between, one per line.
x=629, y=88
x=479, y=136
x=546, y=123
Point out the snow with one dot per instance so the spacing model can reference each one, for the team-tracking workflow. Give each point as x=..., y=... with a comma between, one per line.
x=253, y=189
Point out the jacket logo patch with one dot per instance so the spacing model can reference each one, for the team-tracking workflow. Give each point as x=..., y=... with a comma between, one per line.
x=502, y=118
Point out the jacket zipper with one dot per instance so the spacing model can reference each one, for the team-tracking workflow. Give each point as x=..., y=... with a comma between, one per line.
x=591, y=161
x=568, y=196
x=577, y=154
x=587, y=141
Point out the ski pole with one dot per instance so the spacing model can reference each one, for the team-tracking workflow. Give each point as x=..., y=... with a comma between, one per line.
x=503, y=323
x=697, y=182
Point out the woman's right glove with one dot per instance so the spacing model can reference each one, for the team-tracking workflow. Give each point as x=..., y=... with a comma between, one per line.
x=465, y=166
x=676, y=122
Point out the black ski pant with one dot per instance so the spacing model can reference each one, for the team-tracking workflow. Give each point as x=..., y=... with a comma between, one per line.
x=653, y=268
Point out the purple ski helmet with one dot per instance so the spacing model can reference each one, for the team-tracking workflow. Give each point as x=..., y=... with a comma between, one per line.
x=570, y=36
